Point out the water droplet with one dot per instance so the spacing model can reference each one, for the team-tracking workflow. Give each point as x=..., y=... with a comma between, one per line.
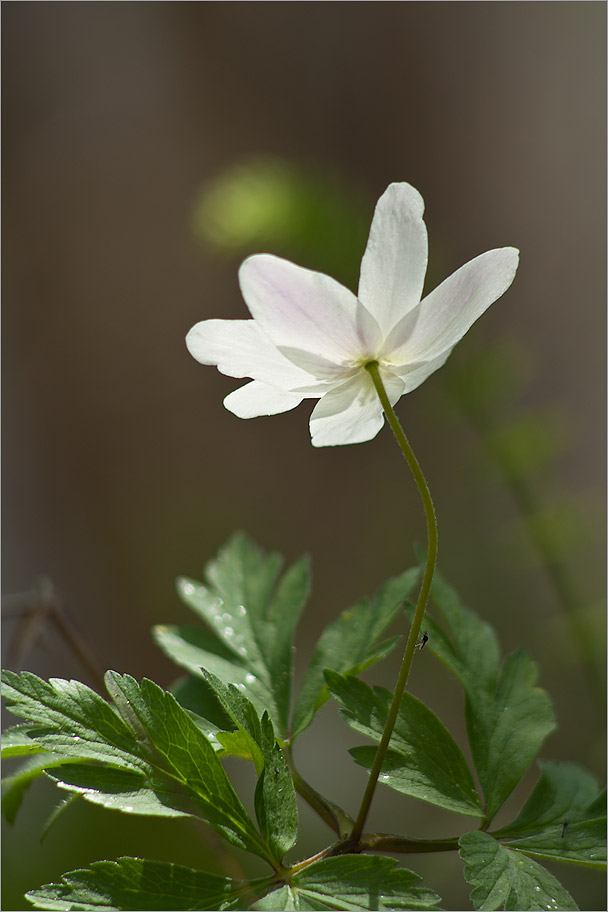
x=241, y=611
x=242, y=687
x=219, y=603
x=188, y=589
x=250, y=678
x=76, y=738
x=242, y=650
x=537, y=888
x=228, y=632
x=226, y=618
x=384, y=776
x=217, y=619
x=128, y=807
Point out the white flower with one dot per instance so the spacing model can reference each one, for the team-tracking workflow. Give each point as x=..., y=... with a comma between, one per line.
x=310, y=337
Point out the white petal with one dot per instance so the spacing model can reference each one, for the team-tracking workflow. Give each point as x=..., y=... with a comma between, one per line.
x=300, y=309
x=414, y=374
x=395, y=259
x=445, y=315
x=351, y=412
x=256, y=399
x=240, y=349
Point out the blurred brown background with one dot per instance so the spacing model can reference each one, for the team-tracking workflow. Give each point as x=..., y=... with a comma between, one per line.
x=121, y=467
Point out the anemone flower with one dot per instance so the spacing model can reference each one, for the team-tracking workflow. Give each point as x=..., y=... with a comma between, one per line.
x=311, y=338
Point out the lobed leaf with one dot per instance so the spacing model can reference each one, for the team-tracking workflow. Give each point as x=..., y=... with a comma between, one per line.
x=582, y=843
x=505, y=879
x=508, y=716
x=138, y=884
x=275, y=797
x=155, y=759
x=251, y=615
x=507, y=728
x=351, y=882
x=423, y=759
x=350, y=644
x=560, y=796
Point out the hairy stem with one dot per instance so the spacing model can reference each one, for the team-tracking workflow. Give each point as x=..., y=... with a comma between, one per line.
x=431, y=560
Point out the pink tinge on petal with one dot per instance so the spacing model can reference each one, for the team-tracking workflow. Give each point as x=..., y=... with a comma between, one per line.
x=301, y=309
x=445, y=315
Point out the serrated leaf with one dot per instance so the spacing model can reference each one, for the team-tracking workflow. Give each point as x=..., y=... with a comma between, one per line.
x=71, y=719
x=562, y=793
x=352, y=882
x=124, y=790
x=423, y=759
x=137, y=884
x=282, y=900
x=199, y=698
x=469, y=646
x=275, y=797
x=505, y=879
x=251, y=615
x=507, y=728
x=508, y=716
x=148, y=740
x=350, y=644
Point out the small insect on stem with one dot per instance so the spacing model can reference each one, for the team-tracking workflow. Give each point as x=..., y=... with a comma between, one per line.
x=565, y=826
x=423, y=640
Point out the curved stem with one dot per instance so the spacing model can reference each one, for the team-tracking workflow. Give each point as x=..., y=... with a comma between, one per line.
x=431, y=560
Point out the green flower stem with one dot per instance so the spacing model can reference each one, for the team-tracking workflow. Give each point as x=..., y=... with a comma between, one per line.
x=431, y=560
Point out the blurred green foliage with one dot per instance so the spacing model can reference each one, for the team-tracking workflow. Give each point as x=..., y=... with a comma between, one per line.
x=266, y=204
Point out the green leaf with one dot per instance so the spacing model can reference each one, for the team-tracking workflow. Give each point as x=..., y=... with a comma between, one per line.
x=561, y=795
x=251, y=615
x=351, y=882
x=349, y=644
x=199, y=698
x=582, y=843
x=124, y=790
x=470, y=648
x=15, y=785
x=275, y=797
x=135, y=883
x=423, y=759
x=507, y=729
x=72, y=719
x=504, y=879
x=17, y=743
x=159, y=761
x=284, y=899
x=508, y=717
